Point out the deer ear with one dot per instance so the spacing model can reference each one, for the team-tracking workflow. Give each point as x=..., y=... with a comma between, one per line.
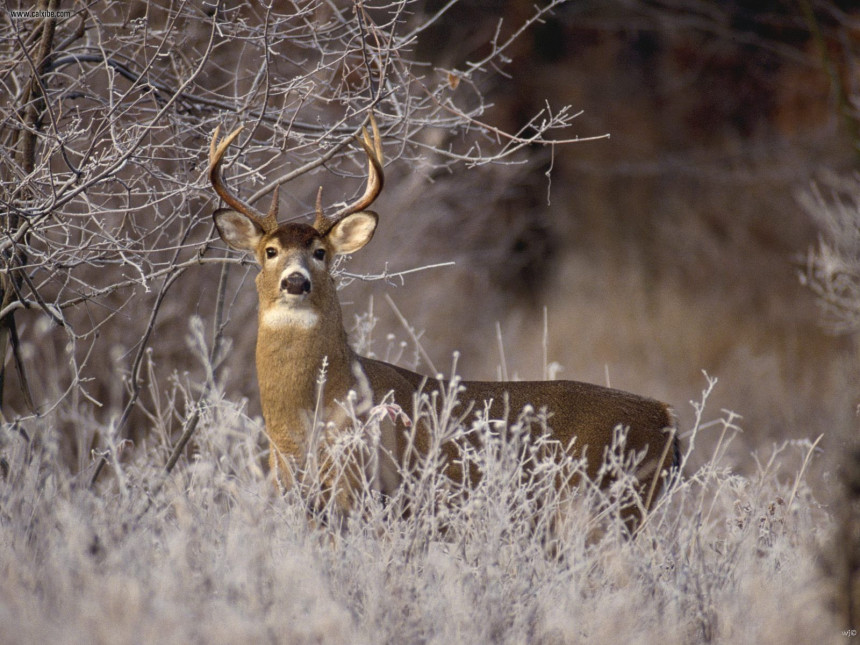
x=237, y=230
x=352, y=232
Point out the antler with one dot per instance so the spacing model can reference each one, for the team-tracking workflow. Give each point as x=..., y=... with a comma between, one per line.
x=268, y=222
x=375, y=180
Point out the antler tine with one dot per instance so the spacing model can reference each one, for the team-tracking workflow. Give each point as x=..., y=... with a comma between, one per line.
x=375, y=174
x=269, y=222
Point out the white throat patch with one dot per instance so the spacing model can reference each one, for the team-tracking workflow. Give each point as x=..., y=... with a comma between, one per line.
x=283, y=315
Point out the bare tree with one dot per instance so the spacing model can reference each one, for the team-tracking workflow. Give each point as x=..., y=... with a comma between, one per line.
x=106, y=111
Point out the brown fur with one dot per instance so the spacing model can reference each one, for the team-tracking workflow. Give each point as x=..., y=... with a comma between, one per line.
x=301, y=335
x=290, y=360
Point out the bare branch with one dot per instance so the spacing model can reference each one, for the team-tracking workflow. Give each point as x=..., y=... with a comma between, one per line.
x=103, y=168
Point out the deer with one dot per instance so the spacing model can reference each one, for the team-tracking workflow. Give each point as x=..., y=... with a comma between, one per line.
x=300, y=332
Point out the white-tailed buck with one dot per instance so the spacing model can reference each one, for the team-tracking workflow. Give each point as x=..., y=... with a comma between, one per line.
x=300, y=333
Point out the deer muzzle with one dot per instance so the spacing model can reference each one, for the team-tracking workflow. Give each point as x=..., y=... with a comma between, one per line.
x=296, y=284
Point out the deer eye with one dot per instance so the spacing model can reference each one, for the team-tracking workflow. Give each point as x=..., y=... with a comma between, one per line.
x=319, y=254
x=271, y=251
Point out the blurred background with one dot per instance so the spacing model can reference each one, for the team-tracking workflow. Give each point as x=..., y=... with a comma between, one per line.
x=674, y=245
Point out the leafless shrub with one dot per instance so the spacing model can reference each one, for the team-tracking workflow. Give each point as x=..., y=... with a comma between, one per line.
x=833, y=273
x=106, y=114
x=833, y=269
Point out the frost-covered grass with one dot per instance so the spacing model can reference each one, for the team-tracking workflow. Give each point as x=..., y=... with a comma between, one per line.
x=219, y=557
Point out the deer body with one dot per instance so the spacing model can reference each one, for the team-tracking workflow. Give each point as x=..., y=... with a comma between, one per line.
x=307, y=371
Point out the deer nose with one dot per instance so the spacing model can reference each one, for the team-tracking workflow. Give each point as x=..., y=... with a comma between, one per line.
x=296, y=284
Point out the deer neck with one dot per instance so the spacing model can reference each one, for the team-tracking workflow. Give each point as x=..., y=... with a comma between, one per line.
x=291, y=361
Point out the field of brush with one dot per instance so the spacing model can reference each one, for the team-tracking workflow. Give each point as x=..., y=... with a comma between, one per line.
x=639, y=261
x=211, y=554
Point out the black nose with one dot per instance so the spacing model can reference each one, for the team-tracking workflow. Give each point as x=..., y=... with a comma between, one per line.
x=296, y=284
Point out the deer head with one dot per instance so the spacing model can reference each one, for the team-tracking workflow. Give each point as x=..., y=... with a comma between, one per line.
x=295, y=285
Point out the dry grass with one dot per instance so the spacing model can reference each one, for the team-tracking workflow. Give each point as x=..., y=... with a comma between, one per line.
x=219, y=557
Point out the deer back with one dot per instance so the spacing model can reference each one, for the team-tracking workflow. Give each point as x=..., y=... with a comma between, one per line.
x=582, y=417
